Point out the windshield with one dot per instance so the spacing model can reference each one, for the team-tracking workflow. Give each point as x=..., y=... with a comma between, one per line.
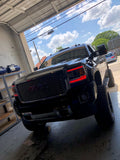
x=66, y=56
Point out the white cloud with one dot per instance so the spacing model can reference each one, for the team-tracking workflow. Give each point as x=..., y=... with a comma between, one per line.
x=111, y=19
x=34, y=55
x=32, y=50
x=76, y=9
x=36, y=28
x=87, y=34
x=93, y=13
x=40, y=42
x=90, y=40
x=62, y=39
x=96, y=12
x=58, y=17
x=44, y=30
x=73, y=11
x=108, y=17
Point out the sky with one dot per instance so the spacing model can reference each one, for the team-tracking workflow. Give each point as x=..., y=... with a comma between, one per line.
x=82, y=29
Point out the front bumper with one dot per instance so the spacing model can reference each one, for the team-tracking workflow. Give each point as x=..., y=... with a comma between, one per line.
x=78, y=103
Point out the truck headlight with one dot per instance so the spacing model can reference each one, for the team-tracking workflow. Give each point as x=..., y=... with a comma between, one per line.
x=76, y=74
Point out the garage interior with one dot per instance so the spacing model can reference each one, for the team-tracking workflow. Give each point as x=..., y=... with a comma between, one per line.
x=15, y=18
x=83, y=142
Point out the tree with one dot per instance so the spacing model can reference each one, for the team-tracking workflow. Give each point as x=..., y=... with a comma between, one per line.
x=107, y=35
x=59, y=48
x=104, y=37
x=100, y=41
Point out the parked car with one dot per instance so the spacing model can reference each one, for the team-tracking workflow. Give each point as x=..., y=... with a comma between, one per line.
x=110, y=57
x=71, y=84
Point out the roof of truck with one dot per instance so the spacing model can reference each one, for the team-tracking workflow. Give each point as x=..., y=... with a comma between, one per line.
x=64, y=50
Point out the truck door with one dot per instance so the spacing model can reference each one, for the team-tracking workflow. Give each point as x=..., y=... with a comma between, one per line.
x=100, y=63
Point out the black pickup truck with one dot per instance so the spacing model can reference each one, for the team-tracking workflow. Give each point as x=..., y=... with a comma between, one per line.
x=70, y=84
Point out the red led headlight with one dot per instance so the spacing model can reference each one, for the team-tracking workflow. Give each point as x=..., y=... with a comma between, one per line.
x=76, y=74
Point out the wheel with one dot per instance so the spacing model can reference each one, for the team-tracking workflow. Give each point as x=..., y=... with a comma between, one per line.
x=111, y=79
x=33, y=126
x=105, y=113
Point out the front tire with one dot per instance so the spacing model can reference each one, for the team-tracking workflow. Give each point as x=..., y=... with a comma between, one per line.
x=105, y=113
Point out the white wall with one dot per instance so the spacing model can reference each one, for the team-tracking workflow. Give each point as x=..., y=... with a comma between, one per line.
x=11, y=49
x=12, y=52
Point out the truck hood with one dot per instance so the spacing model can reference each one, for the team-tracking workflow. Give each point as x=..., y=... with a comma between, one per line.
x=50, y=69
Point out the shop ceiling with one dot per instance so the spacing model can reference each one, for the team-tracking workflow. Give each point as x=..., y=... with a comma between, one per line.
x=21, y=15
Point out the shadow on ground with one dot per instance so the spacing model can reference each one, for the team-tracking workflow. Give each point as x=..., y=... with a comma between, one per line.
x=74, y=140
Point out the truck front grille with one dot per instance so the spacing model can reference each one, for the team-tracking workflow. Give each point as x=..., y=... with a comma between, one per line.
x=42, y=87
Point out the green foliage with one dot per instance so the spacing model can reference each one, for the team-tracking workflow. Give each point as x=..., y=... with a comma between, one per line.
x=107, y=35
x=59, y=48
x=104, y=37
x=99, y=42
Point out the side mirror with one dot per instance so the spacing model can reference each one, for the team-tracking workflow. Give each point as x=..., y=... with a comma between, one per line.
x=94, y=54
x=102, y=49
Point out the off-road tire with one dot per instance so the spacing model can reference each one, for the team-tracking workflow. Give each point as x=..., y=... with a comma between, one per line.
x=105, y=113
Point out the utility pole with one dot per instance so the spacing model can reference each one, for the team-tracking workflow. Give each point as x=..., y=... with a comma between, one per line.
x=37, y=53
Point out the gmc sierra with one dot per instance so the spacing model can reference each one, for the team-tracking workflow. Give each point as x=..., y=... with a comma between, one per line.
x=70, y=84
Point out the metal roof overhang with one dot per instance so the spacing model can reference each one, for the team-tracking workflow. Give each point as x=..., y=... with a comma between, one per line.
x=21, y=15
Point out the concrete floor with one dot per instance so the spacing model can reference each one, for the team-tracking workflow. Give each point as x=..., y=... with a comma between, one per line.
x=68, y=140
